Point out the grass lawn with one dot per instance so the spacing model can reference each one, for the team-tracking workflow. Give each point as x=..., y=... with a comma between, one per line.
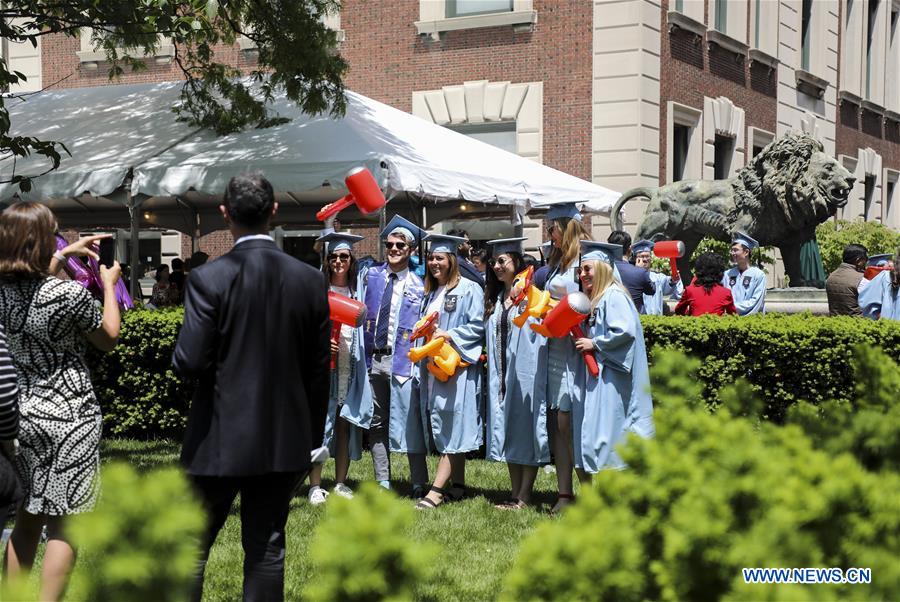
x=478, y=542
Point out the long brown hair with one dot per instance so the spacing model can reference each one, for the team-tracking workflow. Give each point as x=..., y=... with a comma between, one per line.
x=431, y=283
x=493, y=287
x=573, y=232
x=26, y=241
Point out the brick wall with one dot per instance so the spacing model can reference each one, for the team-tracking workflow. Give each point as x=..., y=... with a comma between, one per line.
x=689, y=70
x=388, y=61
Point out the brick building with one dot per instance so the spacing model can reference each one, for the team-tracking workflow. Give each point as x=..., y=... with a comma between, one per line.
x=622, y=92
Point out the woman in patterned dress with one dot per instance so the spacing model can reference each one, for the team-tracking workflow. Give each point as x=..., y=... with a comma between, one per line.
x=47, y=323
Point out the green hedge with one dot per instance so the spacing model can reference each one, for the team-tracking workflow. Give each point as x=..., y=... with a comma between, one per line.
x=139, y=393
x=784, y=358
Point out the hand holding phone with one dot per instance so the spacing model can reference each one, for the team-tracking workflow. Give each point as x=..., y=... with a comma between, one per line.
x=107, y=252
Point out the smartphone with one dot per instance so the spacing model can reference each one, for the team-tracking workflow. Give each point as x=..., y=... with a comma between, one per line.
x=107, y=252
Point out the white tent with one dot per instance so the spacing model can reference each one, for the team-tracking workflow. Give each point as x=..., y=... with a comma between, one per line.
x=114, y=131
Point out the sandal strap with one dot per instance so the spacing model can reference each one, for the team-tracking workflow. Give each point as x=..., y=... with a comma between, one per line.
x=425, y=503
x=439, y=490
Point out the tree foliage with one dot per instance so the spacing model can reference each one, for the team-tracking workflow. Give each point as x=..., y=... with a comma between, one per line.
x=833, y=236
x=714, y=493
x=297, y=54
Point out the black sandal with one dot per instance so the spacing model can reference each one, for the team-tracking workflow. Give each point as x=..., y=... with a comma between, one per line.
x=427, y=504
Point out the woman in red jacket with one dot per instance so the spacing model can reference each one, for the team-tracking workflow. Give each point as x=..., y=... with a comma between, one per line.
x=706, y=295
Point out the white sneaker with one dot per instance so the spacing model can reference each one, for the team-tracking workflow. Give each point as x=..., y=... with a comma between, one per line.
x=343, y=491
x=317, y=495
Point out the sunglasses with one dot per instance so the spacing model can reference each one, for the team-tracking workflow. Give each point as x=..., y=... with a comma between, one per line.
x=551, y=228
x=398, y=245
x=339, y=257
x=501, y=262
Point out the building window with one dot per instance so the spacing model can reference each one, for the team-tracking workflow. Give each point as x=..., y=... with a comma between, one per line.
x=724, y=151
x=502, y=135
x=890, y=213
x=679, y=5
x=722, y=15
x=681, y=139
x=467, y=8
x=870, y=37
x=869, y=197
x=805, y=35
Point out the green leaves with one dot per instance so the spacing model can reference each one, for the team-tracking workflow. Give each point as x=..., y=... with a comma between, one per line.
x=833, y=236
x=142, y=541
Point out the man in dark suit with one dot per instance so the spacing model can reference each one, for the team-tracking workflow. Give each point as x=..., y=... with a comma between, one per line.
x=635, y=279
x=256, y=336
x=466, y=268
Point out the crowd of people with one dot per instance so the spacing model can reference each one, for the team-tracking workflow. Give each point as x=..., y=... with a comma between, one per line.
x=277, y=384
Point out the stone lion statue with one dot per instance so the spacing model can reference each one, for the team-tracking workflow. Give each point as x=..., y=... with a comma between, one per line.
x=778, y=198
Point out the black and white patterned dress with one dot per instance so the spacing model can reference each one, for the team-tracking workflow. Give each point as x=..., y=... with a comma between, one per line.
x=59, y=432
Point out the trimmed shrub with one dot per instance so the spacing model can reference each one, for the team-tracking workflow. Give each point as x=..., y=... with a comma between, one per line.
x=784, y=358
x=361, y=550
x=139, y=393
x=834, y=236
x=142, y=541
x=715, y=493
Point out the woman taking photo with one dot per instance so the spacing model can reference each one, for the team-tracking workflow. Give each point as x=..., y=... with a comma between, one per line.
x=563, y=386
x=48, y=322
x=516, y=401
x=706, y=294
x=617, y=402
x=350, y=403
x=451, y=407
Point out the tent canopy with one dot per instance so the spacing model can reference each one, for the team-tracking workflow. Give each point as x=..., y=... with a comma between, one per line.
x=126, y=139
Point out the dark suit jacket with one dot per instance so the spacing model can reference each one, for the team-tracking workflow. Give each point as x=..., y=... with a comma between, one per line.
x=467, y=270
x=637, y=281
x=842, y=289
x=256, y=335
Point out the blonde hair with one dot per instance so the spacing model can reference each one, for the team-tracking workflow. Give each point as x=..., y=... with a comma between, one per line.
x=431, y=283
x=604, y=278
x=573, y=232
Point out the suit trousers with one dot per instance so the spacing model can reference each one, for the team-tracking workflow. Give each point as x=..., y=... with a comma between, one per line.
x=379, y=439
x=265, y=502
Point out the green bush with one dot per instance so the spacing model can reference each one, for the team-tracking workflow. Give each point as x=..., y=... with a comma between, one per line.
x=139, y=393
x=362, y=552
x=784, y=358
x=142, y=541
x=833, y=236
x=714, y=493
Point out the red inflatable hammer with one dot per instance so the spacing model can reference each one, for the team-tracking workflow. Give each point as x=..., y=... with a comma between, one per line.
x=344, y=310
x=565, y=319
x=364, y=193
x=671, y=249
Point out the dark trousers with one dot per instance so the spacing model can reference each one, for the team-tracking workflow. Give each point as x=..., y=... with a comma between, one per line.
x=265, y=502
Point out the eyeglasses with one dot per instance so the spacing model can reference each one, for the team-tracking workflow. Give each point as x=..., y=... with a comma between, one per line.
x=399, y=245
x=339, y=257
x=500, y=262
x=550, y=229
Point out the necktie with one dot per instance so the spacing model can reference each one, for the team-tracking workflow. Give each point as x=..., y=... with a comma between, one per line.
x=384, y=313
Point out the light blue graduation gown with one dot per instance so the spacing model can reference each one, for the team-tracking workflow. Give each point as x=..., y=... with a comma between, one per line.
x=451, y=410
x=559, y=284
x=748, y=289
x=618, y=401
x=653, y=304
x=879, y=299
x=516, y=423
x=358, y=405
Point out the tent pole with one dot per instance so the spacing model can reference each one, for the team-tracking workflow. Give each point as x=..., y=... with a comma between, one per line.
x=382, y=224
x=517, y=222
x=195, y=235
x=134, y=284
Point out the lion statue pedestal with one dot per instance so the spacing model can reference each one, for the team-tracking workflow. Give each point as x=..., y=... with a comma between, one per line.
x=778, y=198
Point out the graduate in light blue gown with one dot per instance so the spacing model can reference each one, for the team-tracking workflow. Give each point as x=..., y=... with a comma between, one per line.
x=350, y=404
x=563, y=363
x=881, y=297
x=516, y=417
x=654, y=304
x=875, y=261
x=450, y=410
x=618, y=401
x=747, y=283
